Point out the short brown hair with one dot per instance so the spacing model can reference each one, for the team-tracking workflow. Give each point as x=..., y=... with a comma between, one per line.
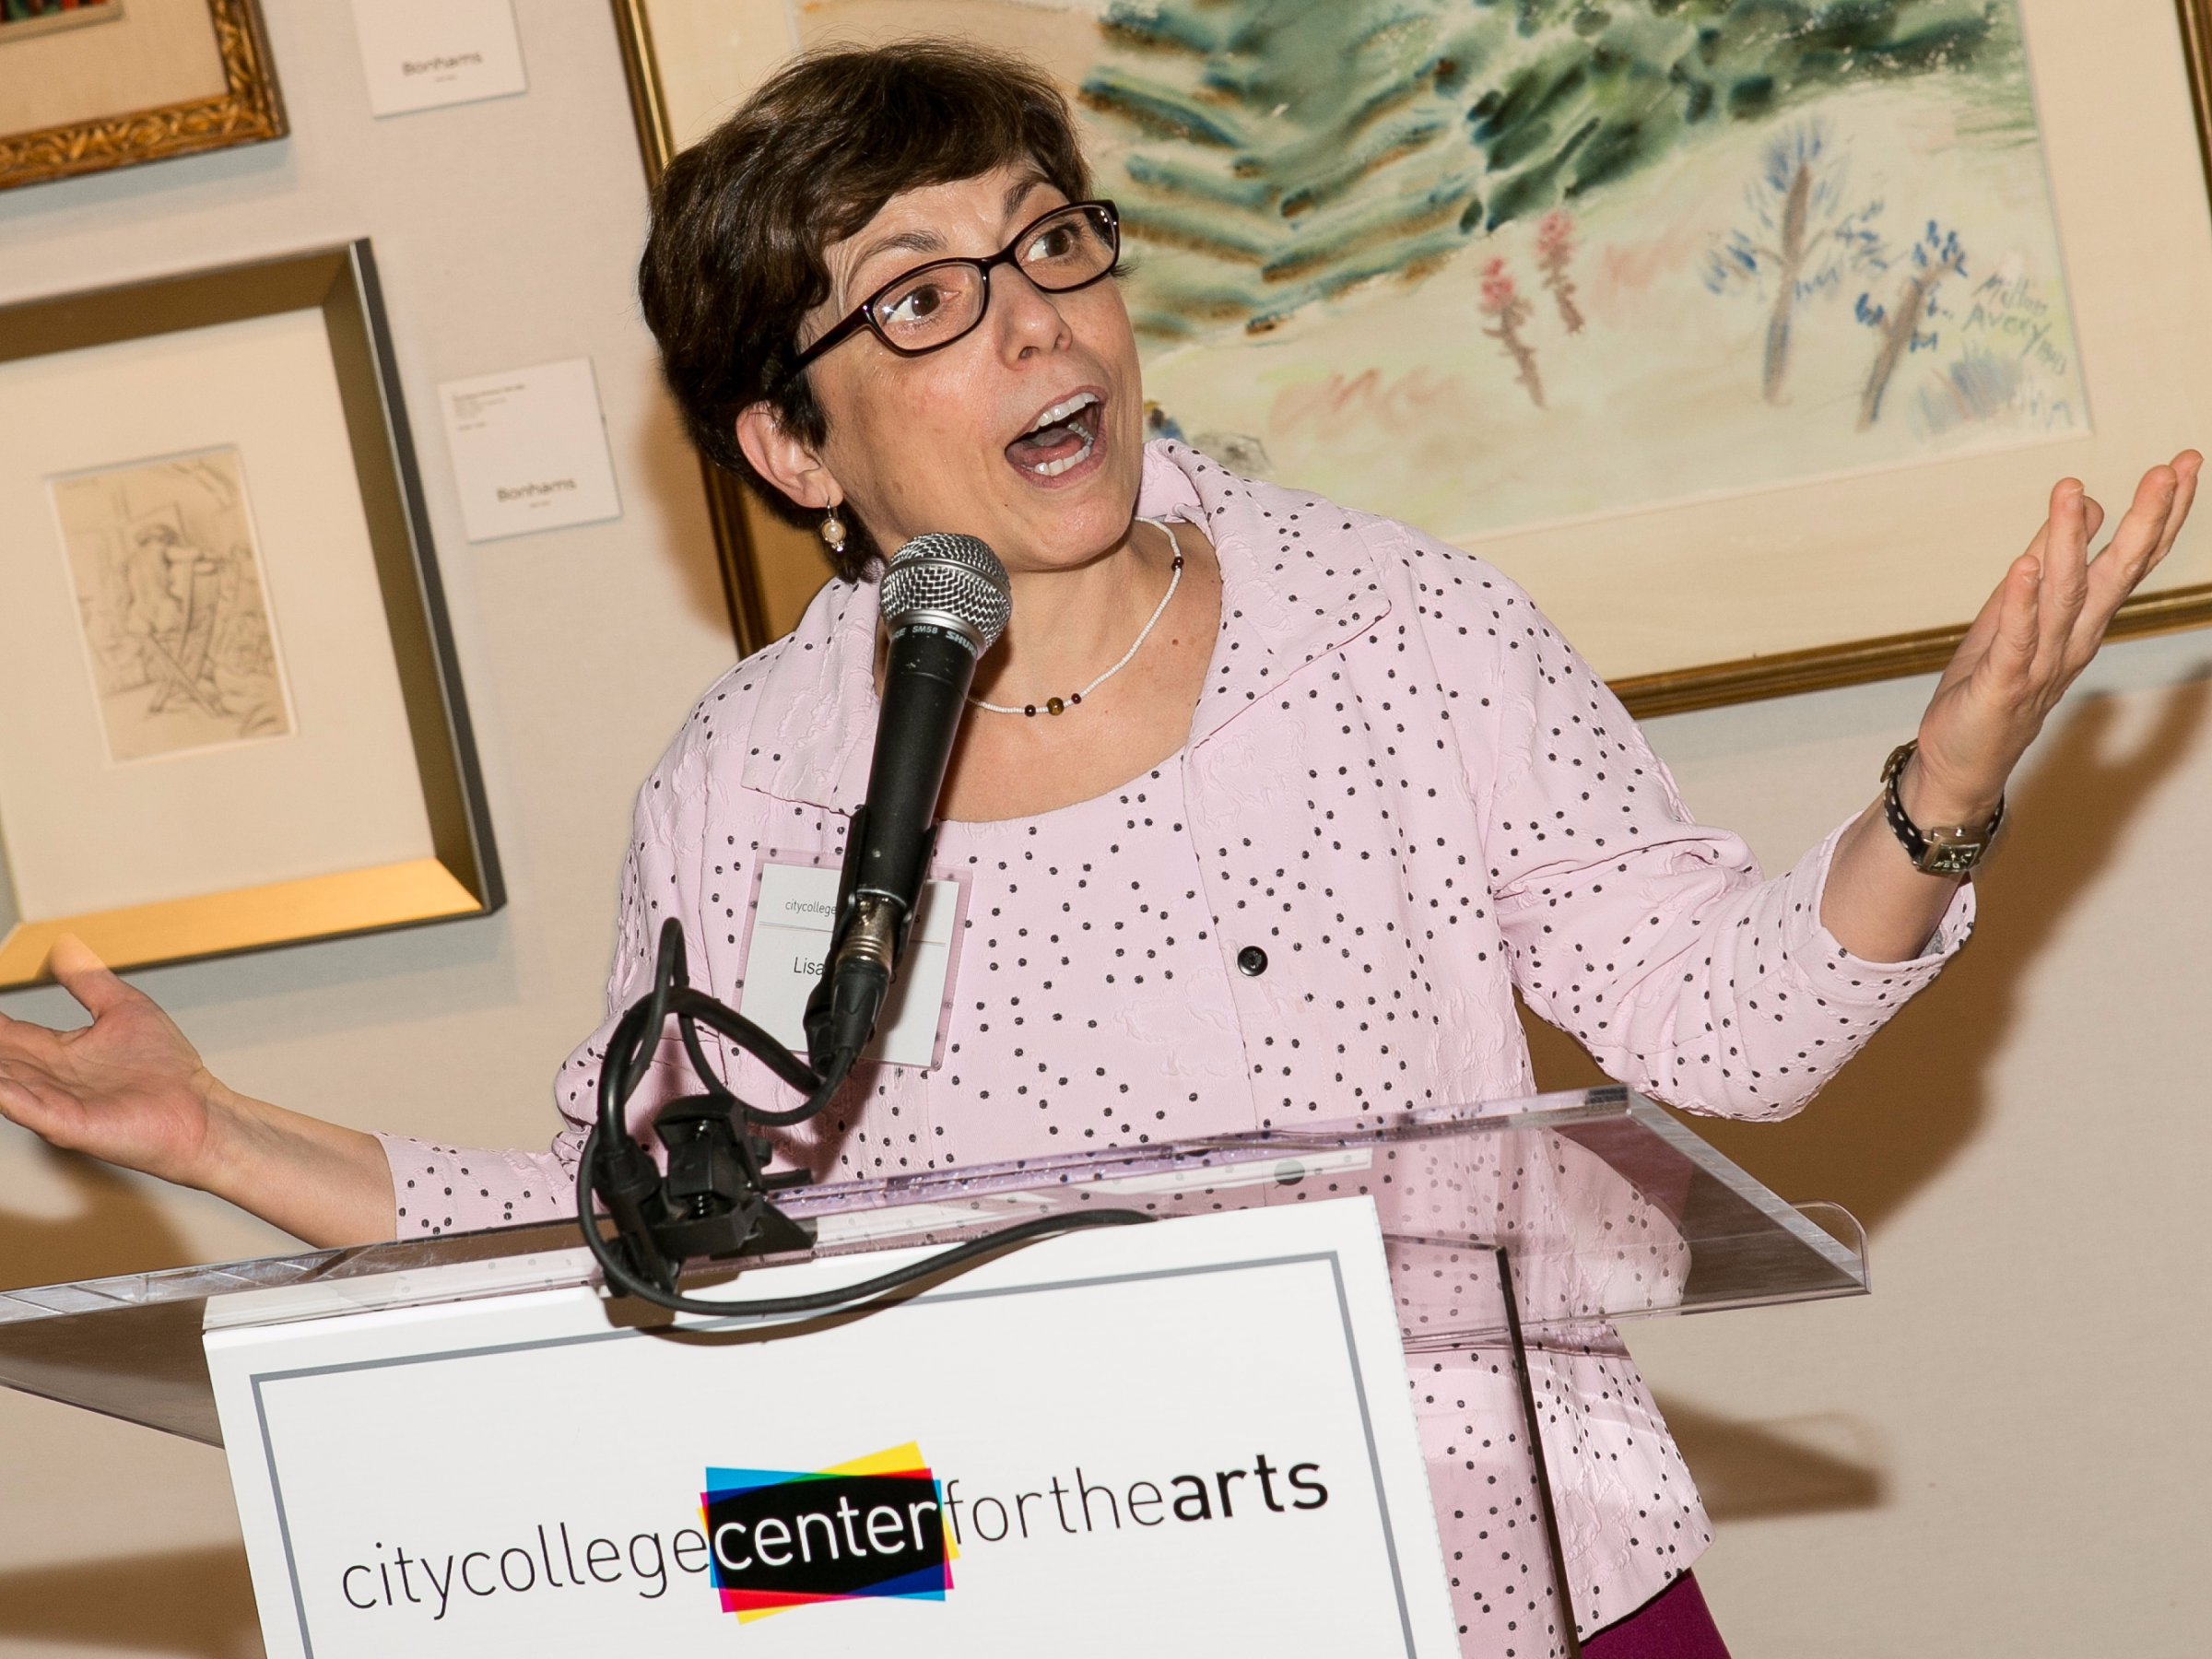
x=734, y=261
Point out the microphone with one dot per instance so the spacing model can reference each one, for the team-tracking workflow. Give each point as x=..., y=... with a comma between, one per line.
x=946, y=602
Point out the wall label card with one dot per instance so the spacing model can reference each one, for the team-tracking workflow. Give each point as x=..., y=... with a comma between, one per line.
x=1181, y=1439
x=529, y=450
x=422, y=53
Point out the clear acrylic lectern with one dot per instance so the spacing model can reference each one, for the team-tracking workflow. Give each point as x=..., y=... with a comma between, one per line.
x=1504, y=1223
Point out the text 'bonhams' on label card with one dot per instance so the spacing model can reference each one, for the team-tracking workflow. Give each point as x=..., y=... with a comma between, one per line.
x=421, y=54
x=530, y=450
x=795, y=914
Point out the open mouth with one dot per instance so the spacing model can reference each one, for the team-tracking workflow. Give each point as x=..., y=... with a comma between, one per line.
x=1061, y=437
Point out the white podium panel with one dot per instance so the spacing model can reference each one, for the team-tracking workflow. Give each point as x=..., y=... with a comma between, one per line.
x=443, y=1433
x=1191, y=1438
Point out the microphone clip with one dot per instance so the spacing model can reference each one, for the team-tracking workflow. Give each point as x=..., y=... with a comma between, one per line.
x=714, y=1201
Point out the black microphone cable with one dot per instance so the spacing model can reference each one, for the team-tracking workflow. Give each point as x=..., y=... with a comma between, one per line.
x=616, y=1168
x=618, y=1275
x=945, y=600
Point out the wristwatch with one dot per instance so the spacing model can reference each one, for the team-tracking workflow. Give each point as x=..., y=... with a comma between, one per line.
x=1945, y=850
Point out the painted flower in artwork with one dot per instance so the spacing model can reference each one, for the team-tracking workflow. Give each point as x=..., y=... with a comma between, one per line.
x=1498, y=296
x=1556, y=247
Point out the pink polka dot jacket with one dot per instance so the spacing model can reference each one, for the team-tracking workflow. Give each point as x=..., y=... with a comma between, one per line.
x=1404, y=797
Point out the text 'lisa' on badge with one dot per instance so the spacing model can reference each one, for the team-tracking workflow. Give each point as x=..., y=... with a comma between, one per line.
x=795, y=913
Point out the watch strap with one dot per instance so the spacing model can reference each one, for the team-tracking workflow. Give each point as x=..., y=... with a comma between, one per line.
x=1949, y=850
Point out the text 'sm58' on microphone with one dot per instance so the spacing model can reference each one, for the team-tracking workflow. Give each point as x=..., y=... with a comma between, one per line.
x=945, y=603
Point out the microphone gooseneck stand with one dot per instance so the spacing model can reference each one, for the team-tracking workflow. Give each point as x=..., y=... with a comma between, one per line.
x=945, y=603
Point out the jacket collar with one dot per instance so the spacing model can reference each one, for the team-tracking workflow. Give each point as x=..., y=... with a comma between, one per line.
x=1299, y=579
x=815, y=727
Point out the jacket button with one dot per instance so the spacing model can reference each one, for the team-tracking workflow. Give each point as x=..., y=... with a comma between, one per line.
x=1252, y=961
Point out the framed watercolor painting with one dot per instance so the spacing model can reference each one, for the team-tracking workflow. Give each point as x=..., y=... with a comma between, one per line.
x=87, y=84
x=19, y=19
x=221, y=627
x=1750, y=337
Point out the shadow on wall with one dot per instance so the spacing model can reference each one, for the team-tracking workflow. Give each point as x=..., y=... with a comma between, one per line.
x=787, y=563
x=116, y=1228
x=1897, y=1114
x=1796, y=1466
x=663, y=465
x=192, y=1603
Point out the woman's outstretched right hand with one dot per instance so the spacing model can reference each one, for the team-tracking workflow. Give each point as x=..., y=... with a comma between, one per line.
x=130, y=1090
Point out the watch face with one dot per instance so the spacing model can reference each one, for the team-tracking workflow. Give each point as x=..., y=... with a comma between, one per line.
x=1951, y=858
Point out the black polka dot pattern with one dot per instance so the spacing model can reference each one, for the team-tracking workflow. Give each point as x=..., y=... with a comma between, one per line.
x=1404, y=797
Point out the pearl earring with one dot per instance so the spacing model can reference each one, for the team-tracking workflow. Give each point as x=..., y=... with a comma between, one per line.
x=833, y=531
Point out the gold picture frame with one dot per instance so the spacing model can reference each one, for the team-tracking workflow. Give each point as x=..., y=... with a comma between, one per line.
x=316, y=590
x=230, y=97
x=720, y=50
x=764, y=562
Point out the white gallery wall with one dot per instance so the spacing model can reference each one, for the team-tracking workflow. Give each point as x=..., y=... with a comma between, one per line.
x=2000, y=1452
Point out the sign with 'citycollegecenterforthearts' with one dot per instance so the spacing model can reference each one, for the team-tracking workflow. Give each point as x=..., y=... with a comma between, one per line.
x=1192, y=1437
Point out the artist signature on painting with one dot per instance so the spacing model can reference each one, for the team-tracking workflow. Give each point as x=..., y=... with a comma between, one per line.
x=2010, y=309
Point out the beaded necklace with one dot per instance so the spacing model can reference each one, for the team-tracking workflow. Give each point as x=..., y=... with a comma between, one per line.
x=1057, y=705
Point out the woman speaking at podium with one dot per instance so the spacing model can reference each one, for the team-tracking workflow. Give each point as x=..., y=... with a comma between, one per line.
x=1265, y=809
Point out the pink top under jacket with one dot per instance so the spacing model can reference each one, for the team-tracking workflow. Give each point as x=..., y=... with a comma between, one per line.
x=1412, y=795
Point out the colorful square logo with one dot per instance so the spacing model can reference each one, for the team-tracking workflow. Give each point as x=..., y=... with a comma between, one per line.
x=785, y=1538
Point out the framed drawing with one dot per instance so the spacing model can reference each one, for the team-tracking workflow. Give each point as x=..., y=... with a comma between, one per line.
x=92, y=83
x=235, y=716
x=1750, y=337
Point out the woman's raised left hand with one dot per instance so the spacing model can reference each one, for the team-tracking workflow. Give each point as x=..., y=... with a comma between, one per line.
x=2035, y=634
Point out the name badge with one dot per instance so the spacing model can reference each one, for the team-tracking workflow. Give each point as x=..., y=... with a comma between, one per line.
x=793, y=911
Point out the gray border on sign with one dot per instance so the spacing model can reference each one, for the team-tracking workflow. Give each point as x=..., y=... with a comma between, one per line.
x=1343, y=1312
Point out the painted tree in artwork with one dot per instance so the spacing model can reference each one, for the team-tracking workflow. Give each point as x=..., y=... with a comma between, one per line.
x=1285, y=151
x=1295, y=149
x=1509, y=312
x=1900, y=327
x=1802, y=235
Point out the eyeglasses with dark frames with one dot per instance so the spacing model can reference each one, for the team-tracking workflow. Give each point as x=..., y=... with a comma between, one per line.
x=930, y=307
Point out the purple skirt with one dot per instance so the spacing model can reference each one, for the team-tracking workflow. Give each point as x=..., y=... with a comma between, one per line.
x=1674, y=1624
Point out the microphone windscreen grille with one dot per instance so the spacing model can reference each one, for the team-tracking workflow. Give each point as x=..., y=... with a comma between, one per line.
x=947, y=579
